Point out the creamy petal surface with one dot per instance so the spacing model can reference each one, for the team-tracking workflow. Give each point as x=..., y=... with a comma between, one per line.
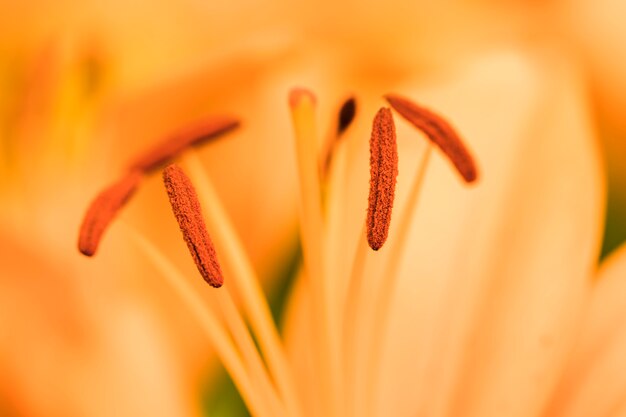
x=500, y=273
x=594, y=383
x=494, y=276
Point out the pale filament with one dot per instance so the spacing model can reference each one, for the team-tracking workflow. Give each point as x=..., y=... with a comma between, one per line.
x=384, y=290
x=257, y=392
x=348, y=331
x=245, y=283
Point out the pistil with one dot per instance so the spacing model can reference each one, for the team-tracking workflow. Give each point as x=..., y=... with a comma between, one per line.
x=302, y=105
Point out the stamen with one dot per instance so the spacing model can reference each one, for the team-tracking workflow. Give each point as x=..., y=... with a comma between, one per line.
x=379, y=318
x=344, y=120
x=186, y=207
x=258, y=401
x=346, y=115
x=383, y=171
x=194, y=135
x=103, y=209
x=438, y=131
x=246, y=282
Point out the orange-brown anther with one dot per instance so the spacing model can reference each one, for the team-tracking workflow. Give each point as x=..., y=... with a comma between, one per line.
x=192, y=135
x=383, y=171
x=186, y=207
x=103, y=209
x=439, y=131
x=346, y=115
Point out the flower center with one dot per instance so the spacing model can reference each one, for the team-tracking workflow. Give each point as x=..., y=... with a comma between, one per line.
x=342, y=327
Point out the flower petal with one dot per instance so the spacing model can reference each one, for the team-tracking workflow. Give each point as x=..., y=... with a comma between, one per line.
x=595, y=381
x=494, y=276
x=497, y=275
x=489, y=296
x=70, y=347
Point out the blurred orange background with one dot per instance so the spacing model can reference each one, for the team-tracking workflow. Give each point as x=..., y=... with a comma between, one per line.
x=86, y=85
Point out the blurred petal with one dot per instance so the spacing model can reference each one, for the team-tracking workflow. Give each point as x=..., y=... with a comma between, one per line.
x=496, y=277
x=597, y=31
x=594, y=383
x=596, y=27
x=64, y=354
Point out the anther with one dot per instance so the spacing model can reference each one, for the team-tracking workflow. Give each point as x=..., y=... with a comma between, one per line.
x=193, y=135
x=103, y=209
x=383, y=171
x=344, y=120
x=439, y=131
x=346, y=115
x=186, y=208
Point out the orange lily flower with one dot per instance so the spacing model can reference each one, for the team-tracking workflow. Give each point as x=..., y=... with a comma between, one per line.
x=472, y=307
x=478, y=310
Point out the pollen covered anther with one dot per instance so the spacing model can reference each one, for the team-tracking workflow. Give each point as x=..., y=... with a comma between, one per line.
x=186, y=208
x=440, y=132
x=103, y=209
x=383, y=171
x=192, y=135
